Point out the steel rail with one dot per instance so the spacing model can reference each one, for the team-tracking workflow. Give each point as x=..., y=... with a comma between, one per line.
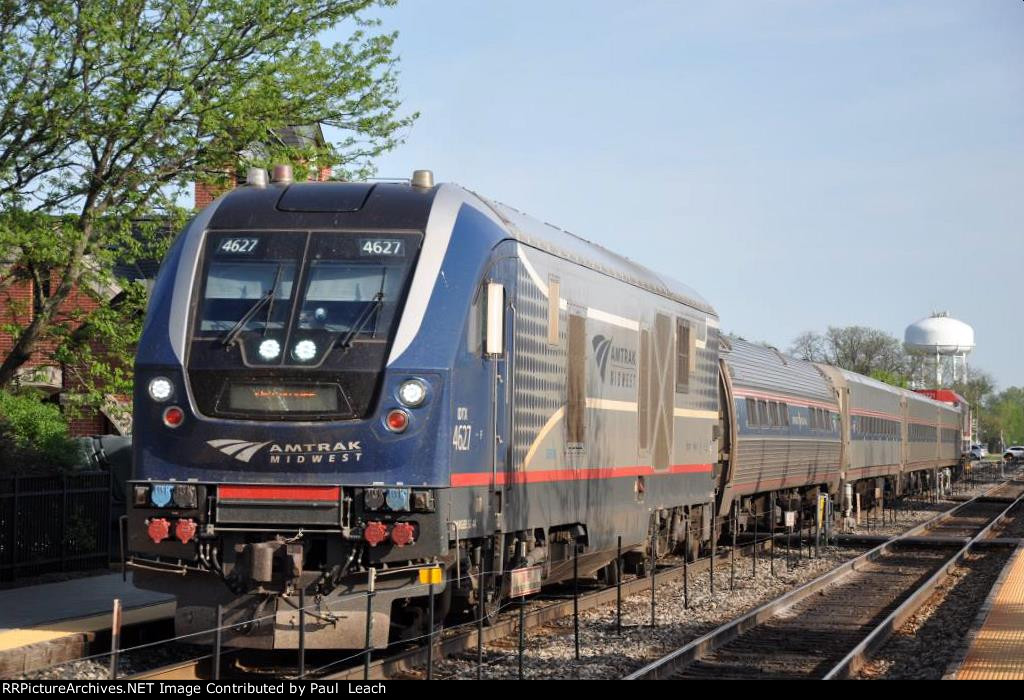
x=874, y=640
x=672, y=662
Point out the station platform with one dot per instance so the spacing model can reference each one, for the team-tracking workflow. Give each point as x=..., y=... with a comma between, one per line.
x=996, y=651
x=51, y=623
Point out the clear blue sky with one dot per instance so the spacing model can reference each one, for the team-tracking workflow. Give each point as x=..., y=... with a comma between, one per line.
x=800, y=163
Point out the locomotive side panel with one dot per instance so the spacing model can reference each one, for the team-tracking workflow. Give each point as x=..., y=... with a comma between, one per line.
x=636, y=433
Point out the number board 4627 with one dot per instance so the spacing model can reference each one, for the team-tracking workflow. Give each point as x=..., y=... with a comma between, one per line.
x=381, y=246
x=237, y=246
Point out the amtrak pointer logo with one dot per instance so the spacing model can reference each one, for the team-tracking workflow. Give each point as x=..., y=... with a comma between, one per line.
x=601, y=347
x=241, y=450
x=615, y=364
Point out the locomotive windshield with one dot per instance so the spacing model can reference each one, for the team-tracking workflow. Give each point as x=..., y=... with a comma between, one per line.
x=343, y=276
x=294, y=305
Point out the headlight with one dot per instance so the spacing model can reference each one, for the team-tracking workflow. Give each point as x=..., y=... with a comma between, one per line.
x=160, y=388
x=305, y=350
x=173, y=416
x=270, y=349
x=396, y=420
x=412, y=393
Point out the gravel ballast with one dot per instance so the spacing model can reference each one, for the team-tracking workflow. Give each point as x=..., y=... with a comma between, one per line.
x=550, y=650
x=926, y=644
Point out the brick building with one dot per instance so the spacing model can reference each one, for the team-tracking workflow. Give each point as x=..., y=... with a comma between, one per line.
x=296, y=137
x=19, y=302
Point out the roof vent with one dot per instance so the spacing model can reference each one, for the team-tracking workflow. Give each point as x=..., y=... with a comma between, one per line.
x=282, y=173
x=422, y=178
x=257, y=177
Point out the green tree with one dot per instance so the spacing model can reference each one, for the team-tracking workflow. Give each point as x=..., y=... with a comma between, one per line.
x=976, y=387
x=33, y=434
x=109, y=111
x=1003, y=418
x=856, y=348
x=893, y=378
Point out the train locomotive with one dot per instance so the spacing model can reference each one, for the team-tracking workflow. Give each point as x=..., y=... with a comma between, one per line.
x=341, y=384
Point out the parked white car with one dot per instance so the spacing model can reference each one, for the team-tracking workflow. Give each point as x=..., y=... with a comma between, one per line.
x=1013, y=453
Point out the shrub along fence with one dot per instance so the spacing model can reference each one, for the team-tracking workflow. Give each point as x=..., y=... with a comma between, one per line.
x=52, y=523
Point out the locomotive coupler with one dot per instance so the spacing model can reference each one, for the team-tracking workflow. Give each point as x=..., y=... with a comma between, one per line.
x=271, y=566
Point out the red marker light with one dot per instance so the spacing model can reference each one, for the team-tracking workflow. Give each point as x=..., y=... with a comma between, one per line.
x=185, y=530
x=397, y=420
x=158, y=530
x=173, y=416
x=375, y=532
x=402, y=534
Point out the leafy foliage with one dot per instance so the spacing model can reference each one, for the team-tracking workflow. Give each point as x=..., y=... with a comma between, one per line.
x=33, y=433
x=108, y=113
x=859, y=349
x=890, y=378
x=1002, y=418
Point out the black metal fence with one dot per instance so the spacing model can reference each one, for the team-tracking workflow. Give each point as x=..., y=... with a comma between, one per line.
x=54, y=523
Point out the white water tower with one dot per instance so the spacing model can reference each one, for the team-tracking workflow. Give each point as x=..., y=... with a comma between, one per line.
x=944, y=342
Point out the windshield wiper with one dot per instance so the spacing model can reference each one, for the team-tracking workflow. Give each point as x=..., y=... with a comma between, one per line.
x=253, y=310
x=363, y=319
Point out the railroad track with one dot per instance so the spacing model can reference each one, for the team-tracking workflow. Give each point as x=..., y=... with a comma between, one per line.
x=409, y=661
x=829, y=627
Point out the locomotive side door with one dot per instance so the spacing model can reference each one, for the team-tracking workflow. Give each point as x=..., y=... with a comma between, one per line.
x=501, y=337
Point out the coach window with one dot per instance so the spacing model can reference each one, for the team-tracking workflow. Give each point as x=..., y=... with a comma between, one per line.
x=576, y=384
x=784, y=408
x=751, y=413
x=773, y=413
x=762, y=413
x=683, y=356
x=554, y=293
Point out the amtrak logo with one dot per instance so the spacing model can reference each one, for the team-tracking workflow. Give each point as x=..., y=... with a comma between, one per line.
x=242, y=450
x=616, y=364
x=292, y=452
x=601, y=347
